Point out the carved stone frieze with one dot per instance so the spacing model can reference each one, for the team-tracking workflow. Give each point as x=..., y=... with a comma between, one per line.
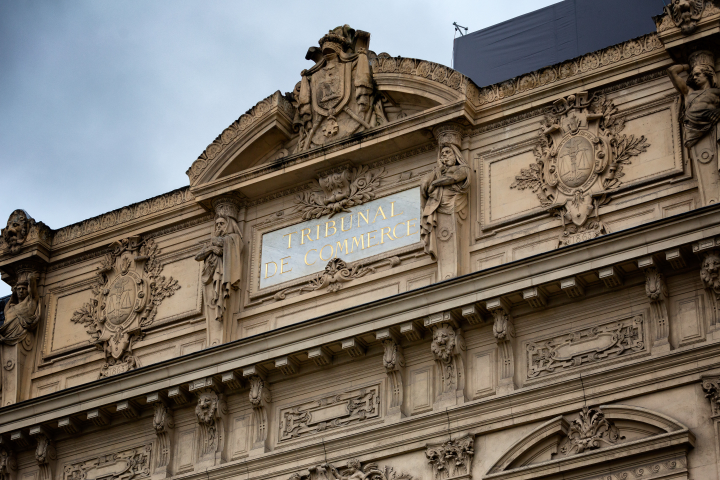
x=124, y=465
x=711, y=387
x=354, y=471
x=330, y=412
x=127, y=214
x=589, y=345
x=566, y=70
x=452, y=459
x=336, y=192
x=126, y=296
x=222, y=268
x=590, y=431
x=579, y=161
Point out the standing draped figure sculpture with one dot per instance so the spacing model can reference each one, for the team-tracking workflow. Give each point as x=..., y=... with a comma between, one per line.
x=22, y=314
x=701, y=114
x=222, y=267
x=445, y=201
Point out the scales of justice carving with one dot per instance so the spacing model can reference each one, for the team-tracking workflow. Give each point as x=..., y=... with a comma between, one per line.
x=579, y=161
x=125, y=301
x=337, y=96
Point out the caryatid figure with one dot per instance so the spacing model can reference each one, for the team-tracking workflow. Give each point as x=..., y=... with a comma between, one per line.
x=22, y=314
x=445, y=201
x=222, y=267
x=701, y=114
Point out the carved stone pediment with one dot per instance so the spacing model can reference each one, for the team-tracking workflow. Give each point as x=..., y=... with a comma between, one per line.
x=125, y=300
x=626, y=434
x=579, y=161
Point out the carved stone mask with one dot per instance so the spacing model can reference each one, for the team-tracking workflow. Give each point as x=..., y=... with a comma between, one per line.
x=206, y=407
x=710, y=271
x=686, y=13
x=443, y=341
x=17, y=228
x=220, y=227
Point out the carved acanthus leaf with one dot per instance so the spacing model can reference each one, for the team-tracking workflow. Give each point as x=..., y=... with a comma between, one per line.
x=452, y=458
x=591, y=430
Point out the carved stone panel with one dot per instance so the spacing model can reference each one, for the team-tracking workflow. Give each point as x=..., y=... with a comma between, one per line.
x=125, y=465
x=330, y=412
x=589, y=345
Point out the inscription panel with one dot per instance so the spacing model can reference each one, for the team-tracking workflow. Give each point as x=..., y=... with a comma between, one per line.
x=363, y=231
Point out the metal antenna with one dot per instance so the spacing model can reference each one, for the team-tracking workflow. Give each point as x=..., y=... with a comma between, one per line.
x=460, y=28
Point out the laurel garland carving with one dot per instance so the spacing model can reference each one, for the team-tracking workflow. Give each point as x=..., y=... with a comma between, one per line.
x=122, y=215
x=554, y=73
x=232, y=133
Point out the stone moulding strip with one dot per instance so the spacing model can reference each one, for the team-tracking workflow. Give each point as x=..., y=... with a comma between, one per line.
x=632, y=243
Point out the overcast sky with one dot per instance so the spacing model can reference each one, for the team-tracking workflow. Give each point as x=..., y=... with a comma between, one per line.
x=103, y=103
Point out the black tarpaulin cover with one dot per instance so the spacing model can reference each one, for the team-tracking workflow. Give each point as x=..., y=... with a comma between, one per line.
x=550, y=35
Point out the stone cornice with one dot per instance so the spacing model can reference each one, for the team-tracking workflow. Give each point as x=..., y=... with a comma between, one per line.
x=551, y=266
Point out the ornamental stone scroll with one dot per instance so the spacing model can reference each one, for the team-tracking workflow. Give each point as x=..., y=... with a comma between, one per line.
x=444, y=194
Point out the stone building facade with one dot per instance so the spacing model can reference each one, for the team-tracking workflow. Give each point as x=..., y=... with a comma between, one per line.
x=391, y=273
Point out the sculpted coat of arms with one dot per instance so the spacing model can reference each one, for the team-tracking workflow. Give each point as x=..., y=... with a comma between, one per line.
x=125, y=301
x=579, y=162
x=337, y=96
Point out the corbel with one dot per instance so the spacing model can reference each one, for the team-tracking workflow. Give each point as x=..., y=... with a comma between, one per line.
x=98, y=417
x=260, y=399
x=394, y=363
x=656, y=290
x=354, y=347
x=448, y=349
x=319, y=356
x=473, y=313
x=611, y=276
x=675, y=258
x=44, y=452
x=164, y=424
x=127, y=409
x=231, y=380
x=534, y=297
x=211, y=412
x=20, y=439
x=504, y=332
x=69, y=425
x=287, y=365
x=411, y=331
x=177, y=395
x=573, y=287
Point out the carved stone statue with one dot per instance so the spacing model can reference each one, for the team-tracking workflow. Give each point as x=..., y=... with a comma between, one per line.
x=222, y=267
x=22, y=314
x=701, y=97
x=444, y=202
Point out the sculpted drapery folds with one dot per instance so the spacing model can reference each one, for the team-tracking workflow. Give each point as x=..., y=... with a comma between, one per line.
x=444, y=202
x=336, y=97
x=222, y=266
x=22, y=312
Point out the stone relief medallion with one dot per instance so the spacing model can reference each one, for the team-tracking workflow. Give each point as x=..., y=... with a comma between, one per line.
x=579, y=160
x=125, y=301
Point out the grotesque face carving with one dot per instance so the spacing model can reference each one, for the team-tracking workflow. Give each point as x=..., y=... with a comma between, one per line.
x=17, y=229
x=686, y=13
x=710, y=271
x=206, y=407
x=443, y=342
x=220, y=227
